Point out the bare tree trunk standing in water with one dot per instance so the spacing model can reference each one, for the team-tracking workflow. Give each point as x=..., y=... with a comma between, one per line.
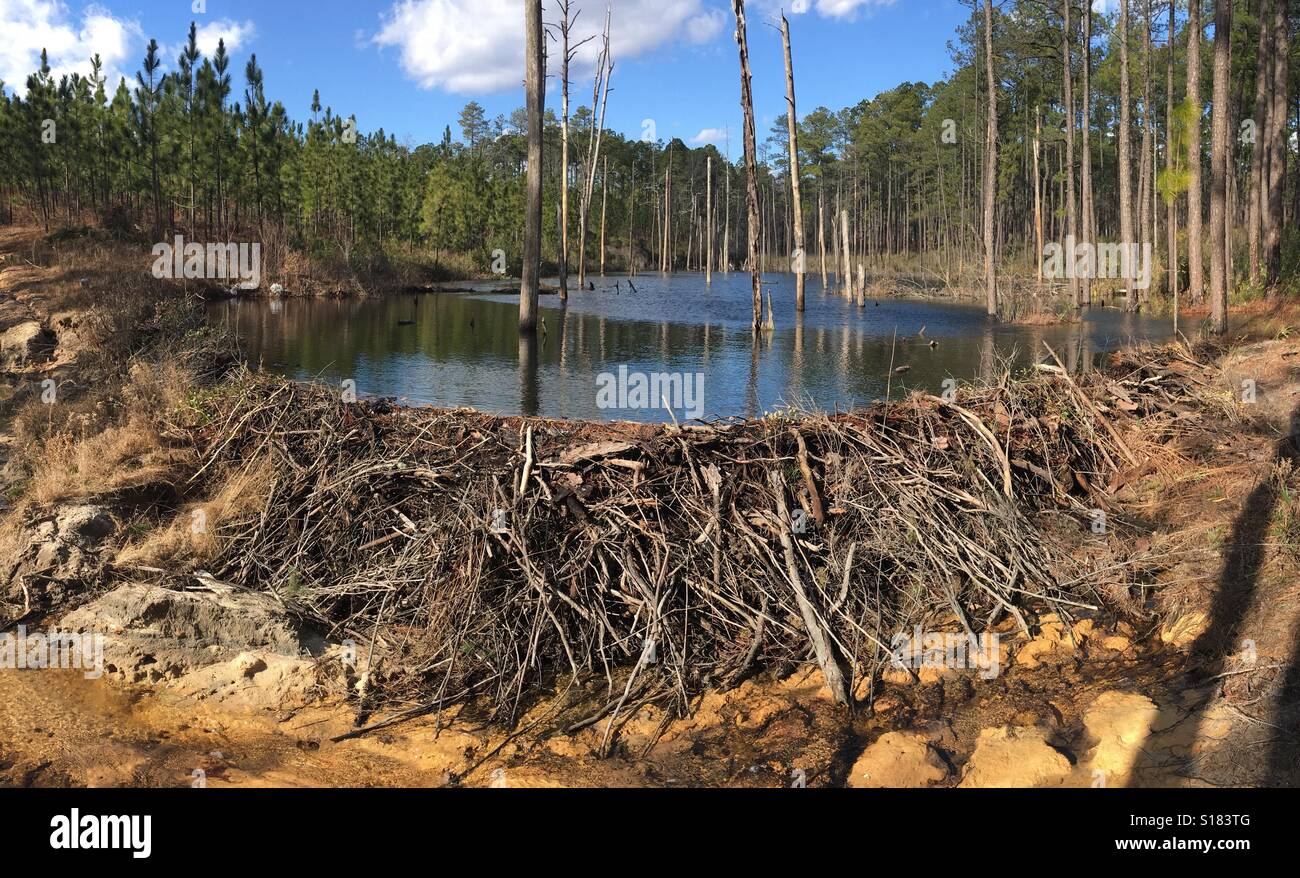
x=566, y=55
x=821, y=227
x=599, y=103
x=1219, y=156
x=1276, y=138
x=1125, y=169
x=845, y=267
x=604, y=206
x=1195, y=265
x=708, y=222
x=792, y=123
x=535, y=85
x=990, y=167
x=751, y=160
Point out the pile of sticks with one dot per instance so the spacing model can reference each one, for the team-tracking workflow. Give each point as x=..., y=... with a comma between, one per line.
x=488, y=558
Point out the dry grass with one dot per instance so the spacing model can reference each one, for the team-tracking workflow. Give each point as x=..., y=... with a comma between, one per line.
x=193, y=537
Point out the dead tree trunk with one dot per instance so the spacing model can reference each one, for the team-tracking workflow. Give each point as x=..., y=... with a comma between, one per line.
x=990, y=168
x=604, y=206
x=708, y=222
x=821, y=228
x=845, y=266
x=536, y=88
x=751, y=161
x=796, y=202
x=565, y=57
x=599, y=100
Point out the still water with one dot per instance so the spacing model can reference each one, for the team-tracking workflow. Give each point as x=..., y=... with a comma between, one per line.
x=464, y=349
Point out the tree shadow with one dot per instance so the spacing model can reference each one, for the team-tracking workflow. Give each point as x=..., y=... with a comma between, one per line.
x=1237, y=592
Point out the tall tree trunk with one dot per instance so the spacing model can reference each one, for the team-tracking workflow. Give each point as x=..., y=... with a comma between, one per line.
x=604, y=205
x=599, y=99
x=1195, y=261
x=1259, y=146
x=1171, y=200
x=565, y=57
x=1089, y=208
x=1067, y=77
x=846, y=261
x=792, y=123
x=751, y=161
x=821, y=227
x=708, y=222
x=536, y=88
x=990, y=168
x=1127, y=236
x=1219, y=158
x=1277, y=140
x=1038, y=196
x=1147, y=230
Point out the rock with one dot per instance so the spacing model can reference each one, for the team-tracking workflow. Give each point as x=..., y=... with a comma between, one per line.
x=1116, y=642
x=86, y=525
x=1119, y=724
x=1052, y=638
x=1014, y=757
x=157, y=634
x=24, y=342
x=898, y=760
x=58, y=557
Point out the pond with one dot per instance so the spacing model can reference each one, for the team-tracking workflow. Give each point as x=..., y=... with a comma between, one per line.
x=674, y=349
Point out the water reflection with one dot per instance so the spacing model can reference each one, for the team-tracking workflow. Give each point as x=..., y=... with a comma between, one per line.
x=456, y=349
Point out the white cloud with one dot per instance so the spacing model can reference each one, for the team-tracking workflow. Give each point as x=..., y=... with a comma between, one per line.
x=847, y=9
x=29, y=26
x=710, y=135
x=476, y=46
x=235, y=33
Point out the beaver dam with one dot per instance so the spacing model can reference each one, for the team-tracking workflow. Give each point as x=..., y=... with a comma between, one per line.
x=491, y=559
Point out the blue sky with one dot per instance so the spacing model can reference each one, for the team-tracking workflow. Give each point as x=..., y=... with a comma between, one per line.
x=410, y=65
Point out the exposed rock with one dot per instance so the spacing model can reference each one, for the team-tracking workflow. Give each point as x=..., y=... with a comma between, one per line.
x=23, y=342
x=1014, y=757
x=1119, y=723
x=58, y=557
x=898, y=760
x=1054, y=641
x=158, y=634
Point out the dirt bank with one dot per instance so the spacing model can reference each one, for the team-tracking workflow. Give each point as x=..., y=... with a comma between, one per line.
x=351, y=612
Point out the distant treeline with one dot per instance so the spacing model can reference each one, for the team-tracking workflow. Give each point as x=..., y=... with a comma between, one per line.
x=183, y=151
